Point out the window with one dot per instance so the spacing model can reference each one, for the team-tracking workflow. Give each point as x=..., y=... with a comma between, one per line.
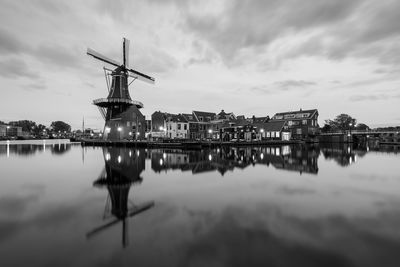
x=268, y=134
x=170, y=127
x=290, y=123
x=298, y=131
x=277, y=134
x=185, y=127
x=179, y=126
x=304, y=122
x=272, y=134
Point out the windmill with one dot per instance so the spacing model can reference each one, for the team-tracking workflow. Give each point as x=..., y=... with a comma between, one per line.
x=123, y=119
x=121, y=172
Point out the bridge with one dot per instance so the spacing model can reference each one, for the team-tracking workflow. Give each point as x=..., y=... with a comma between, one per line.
x=384, y=137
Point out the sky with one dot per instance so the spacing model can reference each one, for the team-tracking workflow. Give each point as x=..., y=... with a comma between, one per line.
x=248, y=57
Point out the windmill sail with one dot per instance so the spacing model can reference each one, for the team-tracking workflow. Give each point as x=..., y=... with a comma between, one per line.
x=141, y=76
x=99, y=56
x=125, y=52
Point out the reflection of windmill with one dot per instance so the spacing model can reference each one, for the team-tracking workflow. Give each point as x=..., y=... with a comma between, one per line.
x=122, y=170
x=121, y=113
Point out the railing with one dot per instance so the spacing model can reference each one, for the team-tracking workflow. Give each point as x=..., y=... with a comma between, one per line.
x=118, y=101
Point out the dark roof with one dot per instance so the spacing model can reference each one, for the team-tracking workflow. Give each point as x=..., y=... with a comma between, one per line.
x=260, y=119
x=271, y=126
x=299, y=114
x=178, y=118
x=204, y=114
x=190, y=117
x=222, y=113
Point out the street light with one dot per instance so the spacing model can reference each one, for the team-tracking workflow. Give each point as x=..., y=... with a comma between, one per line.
x=210, y=132
x=119, y=130
x=261, y=131
x=350, y=125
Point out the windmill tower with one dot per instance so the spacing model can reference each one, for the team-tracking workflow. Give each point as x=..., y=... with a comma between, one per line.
x=123, y=119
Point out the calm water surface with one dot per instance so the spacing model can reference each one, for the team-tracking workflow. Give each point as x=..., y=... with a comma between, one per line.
x=65, y=205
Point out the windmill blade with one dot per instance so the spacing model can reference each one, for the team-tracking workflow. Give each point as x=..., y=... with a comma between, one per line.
x=99, y=56
x=141, y=76
x=125, y=53
x=141, y=208
x=101, y=228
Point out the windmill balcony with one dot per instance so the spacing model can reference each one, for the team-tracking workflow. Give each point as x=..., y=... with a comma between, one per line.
x=106, y=102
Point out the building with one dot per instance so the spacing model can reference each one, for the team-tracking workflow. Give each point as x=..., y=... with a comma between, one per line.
x=194, y=132
x=302, y=124
x=204, y=120
x=272, y=130
x=10, y=131
x=177, y=127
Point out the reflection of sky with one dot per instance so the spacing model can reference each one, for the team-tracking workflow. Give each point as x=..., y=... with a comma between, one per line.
x=344, y=216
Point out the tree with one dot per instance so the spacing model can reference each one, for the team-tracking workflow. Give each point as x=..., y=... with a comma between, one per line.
x=342, y=122
x=362, y=127
x=27, y=126
x=2, y=123
x=39, y=129
x=60, y=126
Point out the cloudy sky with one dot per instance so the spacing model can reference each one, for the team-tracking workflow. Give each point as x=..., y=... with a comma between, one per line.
x=248, y=57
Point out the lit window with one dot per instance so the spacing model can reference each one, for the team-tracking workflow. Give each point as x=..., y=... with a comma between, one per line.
x=277, y=134
x=304, y=122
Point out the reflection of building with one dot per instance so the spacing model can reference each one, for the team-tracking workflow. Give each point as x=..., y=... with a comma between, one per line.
x=293, y=158
x=122, y=170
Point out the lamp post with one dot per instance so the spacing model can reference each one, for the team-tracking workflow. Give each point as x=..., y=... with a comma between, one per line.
x=350, y=125
x=119, y=132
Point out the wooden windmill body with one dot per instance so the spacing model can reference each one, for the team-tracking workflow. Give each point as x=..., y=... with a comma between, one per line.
x=123, y=119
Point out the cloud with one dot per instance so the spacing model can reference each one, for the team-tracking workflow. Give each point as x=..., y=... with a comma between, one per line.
x=289, y=84
x=154, y=60
x=57, y=55
x=330, y=29
x=16, y=68
x=10, y=44
x=372, y=97
x=251, y=24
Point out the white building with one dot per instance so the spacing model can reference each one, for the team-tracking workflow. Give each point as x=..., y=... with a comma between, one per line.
x=177, y=127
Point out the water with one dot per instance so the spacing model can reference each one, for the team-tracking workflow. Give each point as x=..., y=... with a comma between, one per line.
x=64, y=205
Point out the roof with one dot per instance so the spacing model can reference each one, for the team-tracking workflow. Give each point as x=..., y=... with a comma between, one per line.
x=204, y=114
x=190, y=117
x=177, y=118
x=222, y=113
x=296, y=115
x=271, y=126
x=260, y=119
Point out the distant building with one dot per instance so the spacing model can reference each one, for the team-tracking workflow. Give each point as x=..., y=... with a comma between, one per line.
x=302, y=124
x=194, y=127
x=177, y=127
x=273, y=130
x=204, y=120
x=10, y=131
